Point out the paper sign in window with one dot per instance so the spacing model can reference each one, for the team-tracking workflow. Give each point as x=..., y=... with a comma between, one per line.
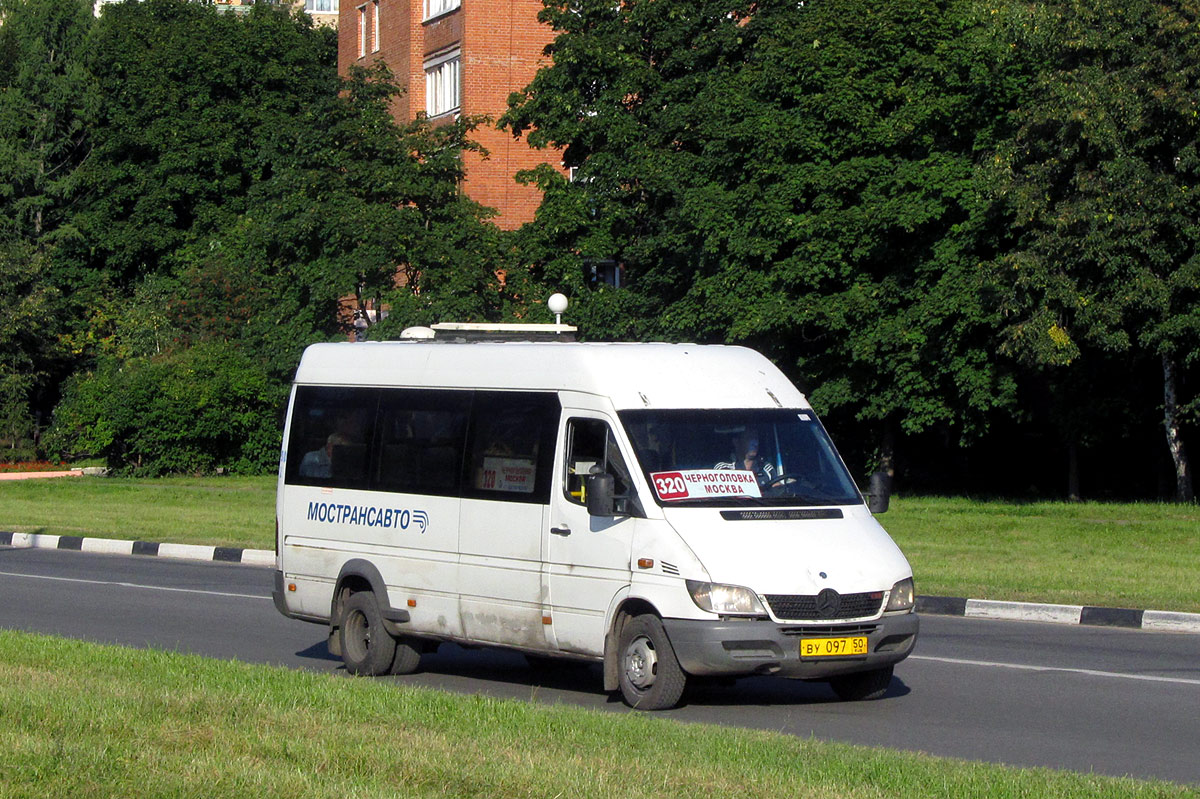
x=704, y=484
x=507, y=474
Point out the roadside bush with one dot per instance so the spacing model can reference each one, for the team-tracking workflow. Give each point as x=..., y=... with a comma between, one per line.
x=191, y=411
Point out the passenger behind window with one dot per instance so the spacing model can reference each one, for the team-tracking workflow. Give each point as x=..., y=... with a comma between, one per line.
x=319, y=462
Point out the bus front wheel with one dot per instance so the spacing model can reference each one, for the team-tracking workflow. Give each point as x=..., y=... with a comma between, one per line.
x=649, y=673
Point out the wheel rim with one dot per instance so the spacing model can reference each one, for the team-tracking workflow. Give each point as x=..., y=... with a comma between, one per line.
x=641, y=663
x=358, y=635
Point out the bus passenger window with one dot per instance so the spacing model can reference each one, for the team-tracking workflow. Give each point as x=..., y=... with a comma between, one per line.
x=512, y=445
x=331, y=429
x=421, y=440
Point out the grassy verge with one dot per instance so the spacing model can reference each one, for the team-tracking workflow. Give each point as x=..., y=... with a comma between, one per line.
x=89, y=720
x=1112, y=555
x=1118, y=555
x=224, y=511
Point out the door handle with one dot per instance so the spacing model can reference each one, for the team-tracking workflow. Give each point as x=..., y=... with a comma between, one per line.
x=563, y=531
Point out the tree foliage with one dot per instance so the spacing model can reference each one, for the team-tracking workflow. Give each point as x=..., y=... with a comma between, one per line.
x=191, y=98
x=241, y=191
x=48, y=99
x=26, y=338
x=1101, y=178
x=360, y=206
x=799, y=177
x=192, y=411
x=917, y=208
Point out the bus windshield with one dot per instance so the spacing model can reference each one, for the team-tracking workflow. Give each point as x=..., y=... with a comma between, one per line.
x=723, y=458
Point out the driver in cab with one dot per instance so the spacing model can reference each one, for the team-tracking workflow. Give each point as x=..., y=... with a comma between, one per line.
x=746, y=458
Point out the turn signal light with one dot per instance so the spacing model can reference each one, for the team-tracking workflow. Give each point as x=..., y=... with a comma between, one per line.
x=645, y=563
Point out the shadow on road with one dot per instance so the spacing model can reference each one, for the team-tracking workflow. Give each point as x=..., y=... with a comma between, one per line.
x=452, y=665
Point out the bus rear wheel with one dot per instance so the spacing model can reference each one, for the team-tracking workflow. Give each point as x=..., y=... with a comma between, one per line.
x=367, y=648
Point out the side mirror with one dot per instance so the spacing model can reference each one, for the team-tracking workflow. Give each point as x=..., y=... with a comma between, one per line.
x=600, y=495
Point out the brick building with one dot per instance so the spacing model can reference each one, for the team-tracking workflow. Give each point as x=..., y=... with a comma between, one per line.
x=459, y=57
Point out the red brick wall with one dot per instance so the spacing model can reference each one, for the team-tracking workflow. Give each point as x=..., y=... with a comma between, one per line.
x=501, y=43
x=502, y=50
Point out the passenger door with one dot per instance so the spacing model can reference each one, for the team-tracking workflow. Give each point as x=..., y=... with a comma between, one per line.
x=507, y=488
x=587, y=556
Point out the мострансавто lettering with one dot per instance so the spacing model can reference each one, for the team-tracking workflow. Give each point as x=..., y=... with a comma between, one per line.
x=368, y=515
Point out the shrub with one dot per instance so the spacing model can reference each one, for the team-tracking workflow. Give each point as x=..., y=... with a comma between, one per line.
x=191, y=411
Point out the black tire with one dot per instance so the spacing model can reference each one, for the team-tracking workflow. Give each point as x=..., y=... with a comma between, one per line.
x=407, y=658
x=649, y=673
x=367, y=648
x=863, y=685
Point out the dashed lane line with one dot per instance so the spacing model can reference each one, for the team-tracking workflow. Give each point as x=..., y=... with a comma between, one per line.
x=135, y=585
x=1062, y=669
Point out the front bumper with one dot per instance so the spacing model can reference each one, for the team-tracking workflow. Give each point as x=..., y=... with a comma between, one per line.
x=752, y=646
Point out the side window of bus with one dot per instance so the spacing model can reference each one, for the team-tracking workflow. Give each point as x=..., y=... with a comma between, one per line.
x=511, y=451
x=421, y=439
x=592, y=449
x=330, y=436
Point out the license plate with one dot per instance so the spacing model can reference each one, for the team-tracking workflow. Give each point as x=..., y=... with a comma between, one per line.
x=833, y=647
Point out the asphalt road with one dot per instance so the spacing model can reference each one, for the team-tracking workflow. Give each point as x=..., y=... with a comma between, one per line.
x=1109, y=701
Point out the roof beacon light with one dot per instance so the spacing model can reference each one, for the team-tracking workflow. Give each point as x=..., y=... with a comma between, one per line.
x=558, y=306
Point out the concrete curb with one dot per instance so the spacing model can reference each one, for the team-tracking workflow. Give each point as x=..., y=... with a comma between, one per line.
x=110, y=546
x=40, y=475
x=1156, y=620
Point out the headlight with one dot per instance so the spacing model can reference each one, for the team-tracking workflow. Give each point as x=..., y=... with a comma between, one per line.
x=727, y=600
x=903, y=596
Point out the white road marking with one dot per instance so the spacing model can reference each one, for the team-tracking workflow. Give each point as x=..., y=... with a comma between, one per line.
x=134, y=585
x=1063, y=669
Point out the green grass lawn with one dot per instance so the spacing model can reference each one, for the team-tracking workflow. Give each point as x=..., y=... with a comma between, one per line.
x=1112, y=555
x=1116, y=555
x=83, y=719
x=224, y=511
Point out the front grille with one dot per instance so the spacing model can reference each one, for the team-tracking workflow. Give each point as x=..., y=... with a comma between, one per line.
x=797, y=607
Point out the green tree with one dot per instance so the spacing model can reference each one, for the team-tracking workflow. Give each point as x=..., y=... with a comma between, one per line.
x=47, y=101
x=799, y=177
x=26, y=340
x=360, y=206
x=1101, y=179
x=191, y=96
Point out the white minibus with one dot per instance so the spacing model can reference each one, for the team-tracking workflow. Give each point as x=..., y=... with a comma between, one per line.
x=666, y=510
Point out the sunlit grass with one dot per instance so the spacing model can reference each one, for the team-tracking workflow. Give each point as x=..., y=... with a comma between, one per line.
x=1141, y=555
x=224, y=511
x=88, y=720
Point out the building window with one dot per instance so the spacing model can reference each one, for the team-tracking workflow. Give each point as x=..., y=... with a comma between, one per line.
x=434, y=8
x=321, y=6
x=362, y=31
x=603, y=272
x=442, y=81
x=374, y=26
